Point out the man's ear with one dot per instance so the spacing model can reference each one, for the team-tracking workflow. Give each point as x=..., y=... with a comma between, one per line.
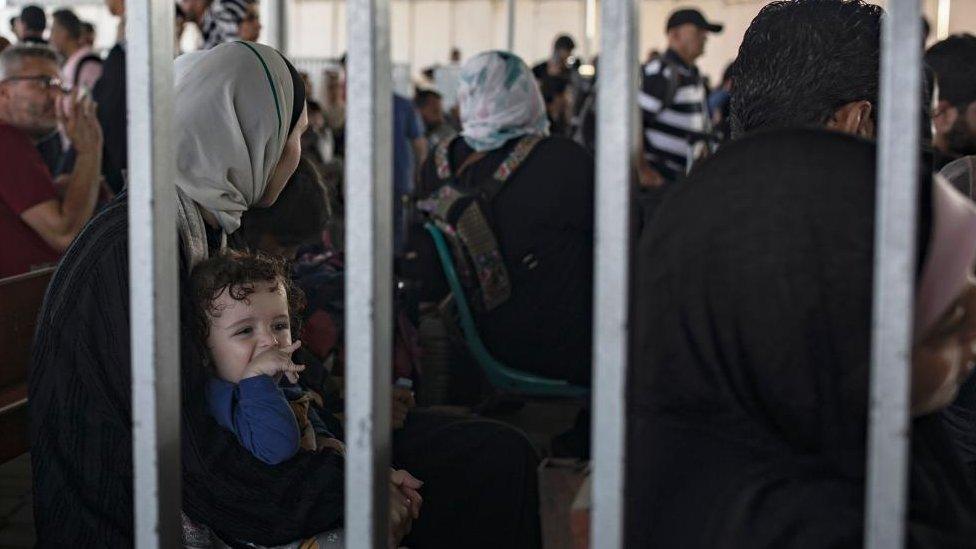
x=854, y=118
x=944, y=117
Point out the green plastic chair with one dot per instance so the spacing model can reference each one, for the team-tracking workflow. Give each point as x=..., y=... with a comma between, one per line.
x=504, y=379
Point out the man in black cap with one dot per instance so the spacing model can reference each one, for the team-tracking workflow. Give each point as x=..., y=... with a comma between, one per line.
x=32, y=22
x=672, y=101
x=953, y=61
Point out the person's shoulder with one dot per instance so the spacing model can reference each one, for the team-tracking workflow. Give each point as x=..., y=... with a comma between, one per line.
x=14, y=141
x=559, y=145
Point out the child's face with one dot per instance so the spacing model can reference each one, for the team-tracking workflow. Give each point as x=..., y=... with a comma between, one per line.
x=245, y=329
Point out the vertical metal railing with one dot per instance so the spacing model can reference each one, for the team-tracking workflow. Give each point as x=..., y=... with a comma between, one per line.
x=616, y=146
x=894, y=282
x=369, y=215
x=274, y=24
x=510, y=25
x=153, y=275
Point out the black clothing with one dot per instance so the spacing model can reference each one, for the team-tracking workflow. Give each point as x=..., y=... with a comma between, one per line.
x=109, y=93
x=543, y=219
x=80, y=402
x=748, y=388
x=480, y=483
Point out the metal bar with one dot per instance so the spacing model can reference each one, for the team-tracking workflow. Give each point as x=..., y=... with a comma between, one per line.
x=894, y=270
x=510, y=25
x=273, y=24
x=616, y=147
x=369, y=208
x=153, y=275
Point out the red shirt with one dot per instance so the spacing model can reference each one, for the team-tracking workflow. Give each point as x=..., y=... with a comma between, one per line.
x=24, y=183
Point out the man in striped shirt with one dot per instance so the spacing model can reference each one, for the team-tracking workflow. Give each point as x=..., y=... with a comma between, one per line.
x=219, y=20
x=672, y=100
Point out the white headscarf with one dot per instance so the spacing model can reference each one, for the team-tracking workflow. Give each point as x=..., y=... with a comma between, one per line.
x=499, y=100
x=232, y=111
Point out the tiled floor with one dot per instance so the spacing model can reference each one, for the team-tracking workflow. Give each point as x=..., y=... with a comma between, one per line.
x=16, y=514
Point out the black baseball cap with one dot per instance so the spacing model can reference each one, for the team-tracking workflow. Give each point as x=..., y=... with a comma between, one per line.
x=695, y=17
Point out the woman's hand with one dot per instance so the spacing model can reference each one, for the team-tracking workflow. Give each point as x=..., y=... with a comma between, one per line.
x=405, y=502
x=273, y=362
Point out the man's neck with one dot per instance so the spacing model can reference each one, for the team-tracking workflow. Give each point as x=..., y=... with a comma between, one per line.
x=683, y=56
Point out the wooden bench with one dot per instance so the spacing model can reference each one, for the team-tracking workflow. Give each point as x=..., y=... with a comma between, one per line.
x=20, y=302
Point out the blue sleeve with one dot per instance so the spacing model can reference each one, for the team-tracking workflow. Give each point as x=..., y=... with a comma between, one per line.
x=257, y=412
x=415, y=126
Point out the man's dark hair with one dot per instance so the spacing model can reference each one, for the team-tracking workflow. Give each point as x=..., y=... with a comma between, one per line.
x=67, y=20
x=564, y=42
x=953, y=61
x=422, y=97
x=302, y=211
x=33, y=19
x=88, y=27
x=800, y=60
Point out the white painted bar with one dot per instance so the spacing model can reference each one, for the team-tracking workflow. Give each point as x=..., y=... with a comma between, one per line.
x=894, y=275
x=616, y=147
x=510, y=25
x=369, y=245
x=273, y=24
x=153, y=275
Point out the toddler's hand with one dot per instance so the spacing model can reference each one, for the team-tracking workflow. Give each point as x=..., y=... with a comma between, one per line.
x=275, y=361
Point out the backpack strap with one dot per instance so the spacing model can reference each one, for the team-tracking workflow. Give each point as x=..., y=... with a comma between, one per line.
x=442, y=160
x=509, y=166
x=90, y=58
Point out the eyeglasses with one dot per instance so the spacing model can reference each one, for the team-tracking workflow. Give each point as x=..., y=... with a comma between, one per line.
x=46, y=82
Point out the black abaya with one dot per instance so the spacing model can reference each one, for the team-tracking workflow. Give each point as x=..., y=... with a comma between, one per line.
x=747, y=399
x=81, y=421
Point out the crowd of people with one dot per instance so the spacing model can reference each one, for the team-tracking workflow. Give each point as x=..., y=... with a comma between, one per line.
x=752, y=283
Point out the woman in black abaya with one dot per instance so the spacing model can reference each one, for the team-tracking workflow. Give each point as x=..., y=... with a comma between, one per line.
x=748, y=393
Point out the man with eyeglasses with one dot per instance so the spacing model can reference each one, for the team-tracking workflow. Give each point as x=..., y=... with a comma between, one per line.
x=37, y=222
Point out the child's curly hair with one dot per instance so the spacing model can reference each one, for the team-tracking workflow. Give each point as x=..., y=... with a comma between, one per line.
x=237, y=272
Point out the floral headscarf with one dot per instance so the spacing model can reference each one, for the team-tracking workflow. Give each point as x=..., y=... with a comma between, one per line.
x=499, y=100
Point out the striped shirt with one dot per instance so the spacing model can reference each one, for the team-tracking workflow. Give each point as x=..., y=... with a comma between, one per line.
x=222, y=21
x=668, y=123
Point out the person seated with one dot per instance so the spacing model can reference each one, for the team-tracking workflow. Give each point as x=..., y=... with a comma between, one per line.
x=247, y=305
x=37, y=222
x=427, y=443
x=542, y=218
x=749, y=389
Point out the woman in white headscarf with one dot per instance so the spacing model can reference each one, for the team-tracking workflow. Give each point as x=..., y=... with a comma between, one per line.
x=239, y=115
x=542, y=217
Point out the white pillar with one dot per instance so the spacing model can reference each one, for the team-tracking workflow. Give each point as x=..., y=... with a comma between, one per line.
x=894, y=275
x=510, y=25
x=153, y=275
x=369, y=208
x=616, y=148
x=274, y=23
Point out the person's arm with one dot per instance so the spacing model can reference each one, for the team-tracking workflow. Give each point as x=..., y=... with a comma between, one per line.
x=651, y=98
x=59, y=221
x=263, y=420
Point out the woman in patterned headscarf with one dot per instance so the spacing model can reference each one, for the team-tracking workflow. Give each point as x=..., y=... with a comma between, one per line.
x=542, y=217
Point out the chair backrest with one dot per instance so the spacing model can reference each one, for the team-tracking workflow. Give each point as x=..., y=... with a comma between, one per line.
x=21, y=297
x=501, y=377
